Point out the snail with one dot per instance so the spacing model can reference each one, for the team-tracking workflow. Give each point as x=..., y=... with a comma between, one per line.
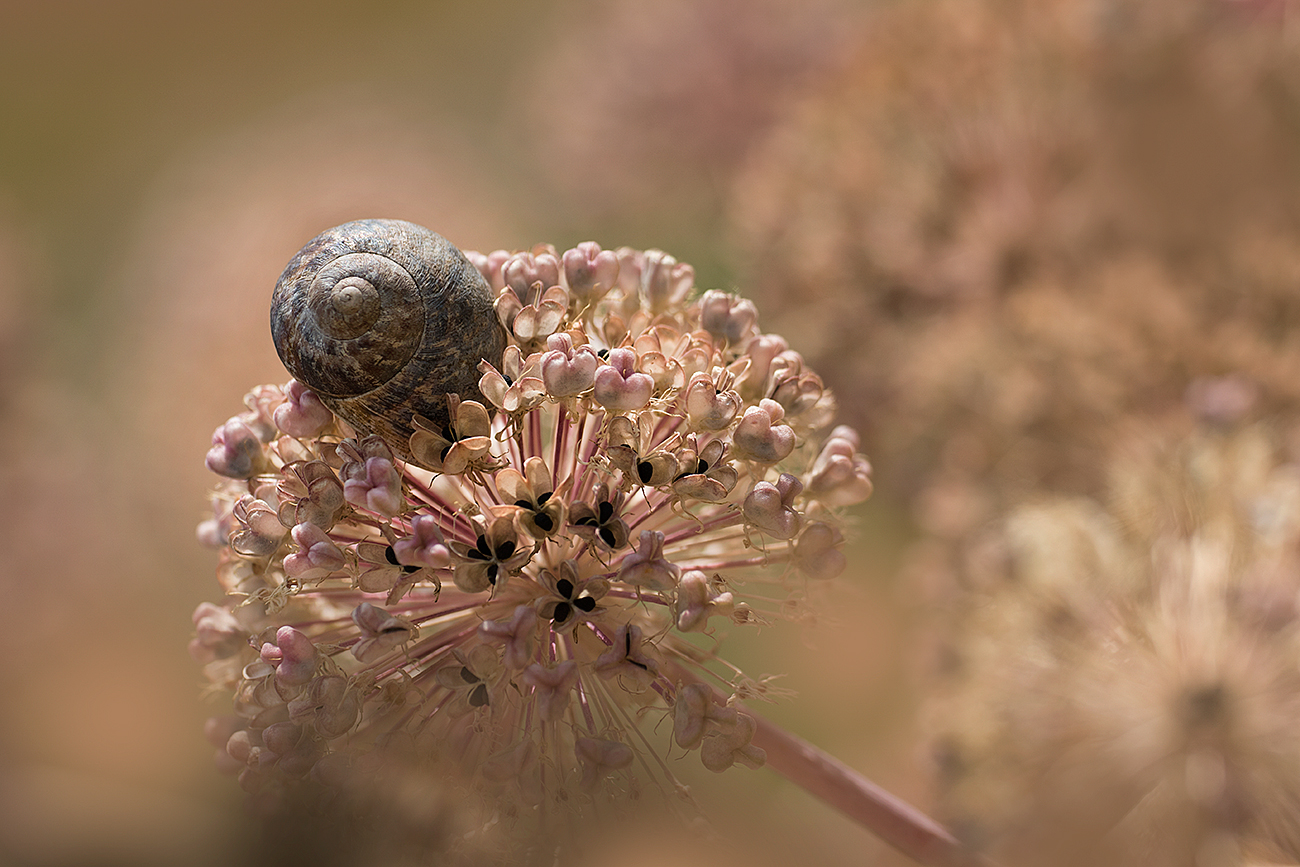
x=383, y=319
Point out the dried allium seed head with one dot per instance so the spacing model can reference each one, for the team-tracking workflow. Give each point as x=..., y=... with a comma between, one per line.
x=1052, y=214
x=649, y=466
x=1128, y=694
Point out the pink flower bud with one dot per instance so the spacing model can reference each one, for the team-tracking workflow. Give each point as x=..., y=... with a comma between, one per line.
x=376, y=488
x=840, y=476
x=516, y=633
x=664, y=281
x=490, y=266
x=241, y=744
x=236, y=451
x=589, y=271
x=425, y=545
x=538, y=321
x=647, y=567
x=706, y=407
x=728, y=317
x=302, y=414
x=218, y=633
x=758, y=438
x=522, y=270
x=317, y=555
x=817, y=553
x=599, y=758
x=551, y=687
x=697, y=600
x=691, y=714
x=730, y=745
x=293, y=655
x=567, y=372
x=761, y=351
x=770, y=507
x=619, y=388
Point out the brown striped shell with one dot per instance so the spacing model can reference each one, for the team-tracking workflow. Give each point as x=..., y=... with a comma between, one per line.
x=383, y=319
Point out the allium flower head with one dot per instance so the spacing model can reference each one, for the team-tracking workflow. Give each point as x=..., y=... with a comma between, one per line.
x=1053, y=214
x=1130, y=696
x=647, y=465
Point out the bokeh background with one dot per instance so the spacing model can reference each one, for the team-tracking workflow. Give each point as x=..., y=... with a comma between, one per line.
x=159, y=163
x=1002, y=230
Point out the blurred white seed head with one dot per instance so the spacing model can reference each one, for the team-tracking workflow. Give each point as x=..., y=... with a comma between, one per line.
x=1128, y=693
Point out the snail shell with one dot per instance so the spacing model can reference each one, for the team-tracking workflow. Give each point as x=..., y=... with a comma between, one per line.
x=383, y=319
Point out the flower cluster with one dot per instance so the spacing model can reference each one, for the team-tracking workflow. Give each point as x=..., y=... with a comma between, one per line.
x=520, y=597
x=1050, y=215
x=1128, y=684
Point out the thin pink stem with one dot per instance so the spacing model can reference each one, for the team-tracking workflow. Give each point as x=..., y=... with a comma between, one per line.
x=890, y=818
x=823, y=776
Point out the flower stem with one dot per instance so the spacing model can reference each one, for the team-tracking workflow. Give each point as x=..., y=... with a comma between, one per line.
x=891, y=819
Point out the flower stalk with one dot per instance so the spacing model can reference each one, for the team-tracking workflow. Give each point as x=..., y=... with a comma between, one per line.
x=898, y=823
x=889, y=817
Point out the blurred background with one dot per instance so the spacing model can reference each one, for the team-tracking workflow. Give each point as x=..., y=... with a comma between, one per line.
x=1004, y=231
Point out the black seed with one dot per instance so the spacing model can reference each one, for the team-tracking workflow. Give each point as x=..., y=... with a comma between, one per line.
x=588, y=521
x=602, y=354
x=542, y=498
x=562, y=612
x=523, y=504
x=492, y=574
x=702, y=467
x=407, y=570
x=607, y=536
x=478, y=696
x=585, y=603
x=544, y=523
x=565, y=588
x=475, y=554
x=508, y=380
x=627, y=651
x=391, y=556
x=644, y=470
x=606, y=512
x=467, y=675
x=505, y=549
x=442, y=455
x=484, y=548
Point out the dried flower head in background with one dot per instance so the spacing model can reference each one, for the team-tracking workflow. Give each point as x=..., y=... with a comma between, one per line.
x=685, y=87
x=1014, y=223
x=1126, y=689
x=534, y=611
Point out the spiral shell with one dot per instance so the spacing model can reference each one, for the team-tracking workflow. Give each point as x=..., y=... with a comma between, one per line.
x=383, y=319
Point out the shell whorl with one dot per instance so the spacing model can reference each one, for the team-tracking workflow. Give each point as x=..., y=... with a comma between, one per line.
x=383, y=319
